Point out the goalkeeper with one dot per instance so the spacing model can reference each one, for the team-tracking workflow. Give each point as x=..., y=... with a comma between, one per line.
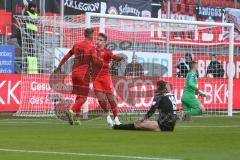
x=190, y=104
x=165, y=102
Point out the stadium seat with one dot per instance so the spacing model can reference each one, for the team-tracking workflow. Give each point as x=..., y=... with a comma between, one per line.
x=192, y=2
x=217, y=3
x=231, y=4
x=238, y=5
x=8, y=20
x=2, y=30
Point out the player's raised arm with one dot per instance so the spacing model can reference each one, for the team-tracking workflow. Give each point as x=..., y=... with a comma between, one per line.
x=64, y=59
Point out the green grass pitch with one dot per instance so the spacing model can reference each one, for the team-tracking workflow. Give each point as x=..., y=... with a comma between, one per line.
x=204, y=138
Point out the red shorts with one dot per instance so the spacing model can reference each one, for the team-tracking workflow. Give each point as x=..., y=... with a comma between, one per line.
x=80, y=82
x=103, y=84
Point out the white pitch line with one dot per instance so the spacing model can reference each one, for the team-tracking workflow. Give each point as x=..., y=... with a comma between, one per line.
x=25, y=122
x=84, y=154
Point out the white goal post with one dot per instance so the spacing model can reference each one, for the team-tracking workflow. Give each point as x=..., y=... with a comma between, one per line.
x=102, y=25
x=160, y=46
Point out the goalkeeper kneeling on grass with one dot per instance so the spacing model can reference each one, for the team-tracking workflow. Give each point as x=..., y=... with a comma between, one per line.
x=190, y=104
x=165, y=102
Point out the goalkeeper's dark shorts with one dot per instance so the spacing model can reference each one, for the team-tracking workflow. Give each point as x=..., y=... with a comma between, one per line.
x=166, y=126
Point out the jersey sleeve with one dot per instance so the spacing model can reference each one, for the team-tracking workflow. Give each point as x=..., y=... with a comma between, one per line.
x=109, y=54
x=67, y=56
x=154, y=106
x=115, y=57
x=190, y=79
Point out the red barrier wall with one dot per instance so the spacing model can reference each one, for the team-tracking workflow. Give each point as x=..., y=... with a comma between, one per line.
x=10, y=91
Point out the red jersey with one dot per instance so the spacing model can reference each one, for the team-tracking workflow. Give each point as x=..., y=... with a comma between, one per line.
x=103, y=80
x=105, y=56
x=80, y=69
x=82, y=52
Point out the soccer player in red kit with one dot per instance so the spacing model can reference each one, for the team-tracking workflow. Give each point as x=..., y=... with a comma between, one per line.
x=80, y=73
x=102, y=83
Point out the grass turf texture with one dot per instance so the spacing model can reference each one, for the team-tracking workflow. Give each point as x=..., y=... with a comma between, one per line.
x=204, y=138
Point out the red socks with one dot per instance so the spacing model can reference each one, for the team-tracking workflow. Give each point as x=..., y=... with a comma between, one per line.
x=78, y=104
x=103, y=105
x=115, y=112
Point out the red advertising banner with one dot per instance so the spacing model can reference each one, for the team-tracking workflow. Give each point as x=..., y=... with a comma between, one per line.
x=10, y=92
x=126, y=89
x=215, y=88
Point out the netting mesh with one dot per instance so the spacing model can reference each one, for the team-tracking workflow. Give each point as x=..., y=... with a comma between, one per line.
x=39, y=61
x=154, y=51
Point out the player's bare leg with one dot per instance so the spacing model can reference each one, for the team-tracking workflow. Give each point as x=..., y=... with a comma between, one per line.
x=113, y=102
x=139, y=125
x=103, y=105
x=147, y=125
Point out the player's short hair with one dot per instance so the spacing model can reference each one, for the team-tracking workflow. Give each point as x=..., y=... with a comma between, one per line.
x=88, y=32
x=161, y=87
x=103, y=36
x=192, y=64
x=213, y=55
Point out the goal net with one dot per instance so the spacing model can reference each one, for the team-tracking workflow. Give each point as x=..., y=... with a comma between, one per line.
x=156, y=49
